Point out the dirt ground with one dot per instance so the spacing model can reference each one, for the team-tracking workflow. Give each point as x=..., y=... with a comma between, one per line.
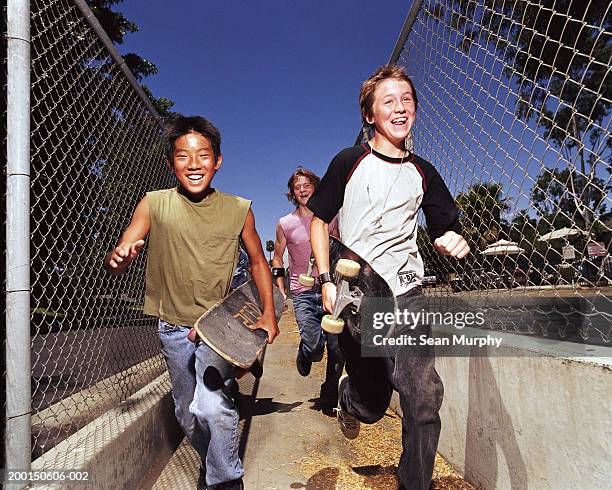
x=371, y=459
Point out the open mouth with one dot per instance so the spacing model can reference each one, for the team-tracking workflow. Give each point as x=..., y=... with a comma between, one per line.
x=399, y=121
x=195, y=178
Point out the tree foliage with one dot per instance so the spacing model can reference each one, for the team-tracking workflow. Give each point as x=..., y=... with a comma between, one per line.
x=95, y=151
x=481, y=208
x=117, y=26
x=553, y=200
x=556, y=56
x=553, y=197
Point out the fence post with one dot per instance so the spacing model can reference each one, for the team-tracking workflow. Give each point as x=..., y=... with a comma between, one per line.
x=18, y=368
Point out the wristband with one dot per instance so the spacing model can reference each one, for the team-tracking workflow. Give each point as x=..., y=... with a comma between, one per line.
x=278, y=272
x=324, y=277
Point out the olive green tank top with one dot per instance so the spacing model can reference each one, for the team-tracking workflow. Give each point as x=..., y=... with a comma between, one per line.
x=192, y=253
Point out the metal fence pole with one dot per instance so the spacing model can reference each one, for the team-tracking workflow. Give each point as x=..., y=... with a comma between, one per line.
x=89, y=16
x=18, y=367
x=401, y=40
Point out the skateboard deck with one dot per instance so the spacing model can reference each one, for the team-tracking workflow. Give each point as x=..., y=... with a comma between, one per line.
x=359, y=296
x=225, y=326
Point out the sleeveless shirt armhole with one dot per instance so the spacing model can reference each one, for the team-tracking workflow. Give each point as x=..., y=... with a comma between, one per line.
x=153, y=198
x=246, y=205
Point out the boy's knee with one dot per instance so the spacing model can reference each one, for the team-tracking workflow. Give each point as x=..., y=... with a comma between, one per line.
x=423, y=404
x=185, y=418
x=213, y=409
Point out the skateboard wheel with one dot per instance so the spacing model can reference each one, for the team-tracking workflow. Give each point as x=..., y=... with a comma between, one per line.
x=332, y=325
x=306, y=280
x=347, y=268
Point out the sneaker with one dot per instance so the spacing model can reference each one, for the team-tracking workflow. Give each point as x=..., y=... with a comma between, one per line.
x=303, y=365
x=349, y=425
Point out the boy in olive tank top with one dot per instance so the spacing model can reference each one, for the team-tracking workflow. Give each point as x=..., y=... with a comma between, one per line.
x=194, y=232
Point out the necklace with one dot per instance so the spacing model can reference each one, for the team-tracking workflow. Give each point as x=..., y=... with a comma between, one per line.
x=377, y=222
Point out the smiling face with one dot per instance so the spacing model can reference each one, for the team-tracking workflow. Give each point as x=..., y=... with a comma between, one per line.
x=392, y=114
x=194, y=164
x=302, y=189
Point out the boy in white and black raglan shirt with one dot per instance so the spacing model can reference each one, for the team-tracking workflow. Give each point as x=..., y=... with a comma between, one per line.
x=376, y=189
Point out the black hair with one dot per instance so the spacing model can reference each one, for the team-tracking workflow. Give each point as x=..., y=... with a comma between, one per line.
x=183, y=125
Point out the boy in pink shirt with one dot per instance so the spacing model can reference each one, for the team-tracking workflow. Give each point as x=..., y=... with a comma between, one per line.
x=293, y=234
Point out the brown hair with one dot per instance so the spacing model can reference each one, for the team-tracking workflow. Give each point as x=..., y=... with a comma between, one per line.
x=301, y=172
x=366, y=95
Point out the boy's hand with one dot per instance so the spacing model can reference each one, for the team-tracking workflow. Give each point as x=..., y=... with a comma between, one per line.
x=192, y=336
x=452, y=244
x=285, y=305
x=329, y=296
x=268, y=323
x=125, y=253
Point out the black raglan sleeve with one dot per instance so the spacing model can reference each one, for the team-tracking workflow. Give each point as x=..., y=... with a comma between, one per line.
x=441, y=212
x=329, y=195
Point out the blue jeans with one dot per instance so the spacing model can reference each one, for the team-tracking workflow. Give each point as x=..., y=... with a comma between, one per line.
x=309, y=311
x=411, y=372
x=204, y=407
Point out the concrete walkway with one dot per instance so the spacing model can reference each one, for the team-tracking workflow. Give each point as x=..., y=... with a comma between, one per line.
x=287, y=442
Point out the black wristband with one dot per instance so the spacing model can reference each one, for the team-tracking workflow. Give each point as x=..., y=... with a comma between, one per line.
x=324, y=277
x=278, y=272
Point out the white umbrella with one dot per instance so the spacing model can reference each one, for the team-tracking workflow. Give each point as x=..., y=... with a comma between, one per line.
x=561, y=233
x=502, y=243
x=503, y=247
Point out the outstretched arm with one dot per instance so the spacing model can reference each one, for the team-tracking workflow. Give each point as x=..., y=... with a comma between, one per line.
x=261, y=275
x=277, y=260
x=131, y=242
x=319, y=241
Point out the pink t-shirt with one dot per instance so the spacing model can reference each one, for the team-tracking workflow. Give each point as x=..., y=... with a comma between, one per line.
x=296, y=229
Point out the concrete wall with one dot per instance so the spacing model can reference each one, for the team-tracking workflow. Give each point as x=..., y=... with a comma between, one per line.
x=122, y=444
x=534, y=414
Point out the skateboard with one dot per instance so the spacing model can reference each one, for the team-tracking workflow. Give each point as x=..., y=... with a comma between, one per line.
x=224, y=327
x=307, y=280
x=356, y=284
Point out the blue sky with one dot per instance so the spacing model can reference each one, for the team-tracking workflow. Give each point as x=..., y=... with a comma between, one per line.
x=279, y=78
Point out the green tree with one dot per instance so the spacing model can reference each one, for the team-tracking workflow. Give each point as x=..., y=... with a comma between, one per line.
x=482, y=206
x=556, y=55
x=117, y=26
x=91, y=140
x=553, y=197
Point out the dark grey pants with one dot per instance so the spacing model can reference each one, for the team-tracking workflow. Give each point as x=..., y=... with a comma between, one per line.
x=410, y=370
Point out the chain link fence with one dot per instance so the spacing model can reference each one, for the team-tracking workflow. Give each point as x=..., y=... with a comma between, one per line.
x=515, y=101
x=95, y=150
x=514, y=111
